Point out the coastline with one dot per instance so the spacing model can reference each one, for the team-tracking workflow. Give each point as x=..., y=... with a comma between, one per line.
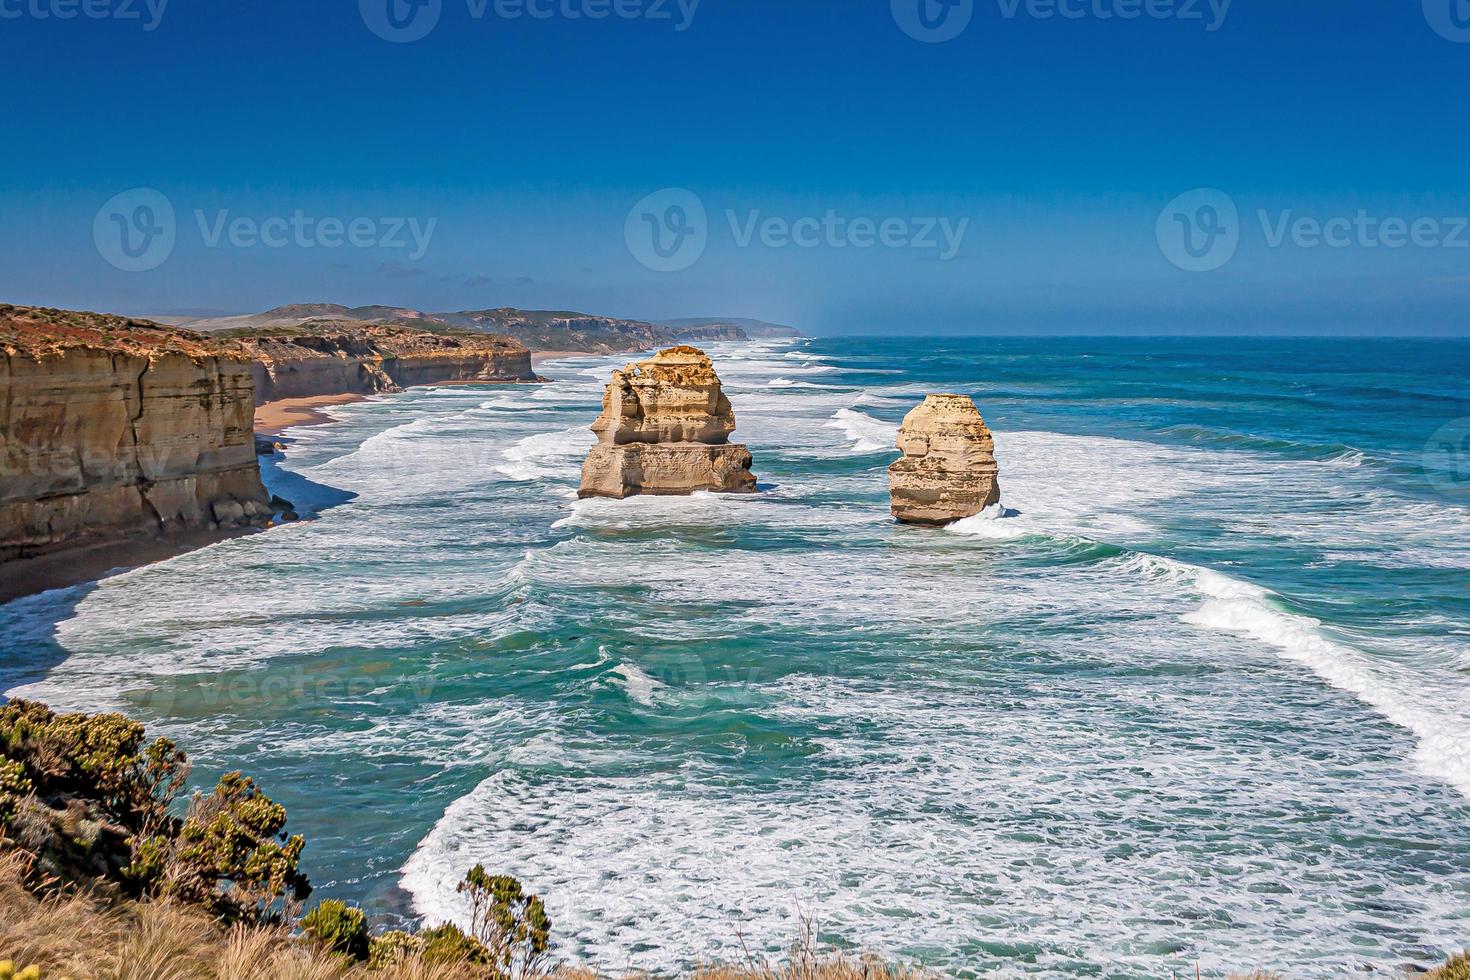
x=275, y=417
x=95, y=561
x=102, y=560
x=538, y=356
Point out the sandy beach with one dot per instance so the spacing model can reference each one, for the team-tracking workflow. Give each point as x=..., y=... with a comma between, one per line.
x=272, y=418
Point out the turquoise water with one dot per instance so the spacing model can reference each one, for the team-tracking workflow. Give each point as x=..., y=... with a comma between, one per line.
x=1203, y=694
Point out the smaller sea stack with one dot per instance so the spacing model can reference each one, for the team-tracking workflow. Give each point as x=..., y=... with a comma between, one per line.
x=665, y=429
x=948, y=469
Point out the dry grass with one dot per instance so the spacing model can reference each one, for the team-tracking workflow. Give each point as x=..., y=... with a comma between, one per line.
x=90, y=938
x=83, y=936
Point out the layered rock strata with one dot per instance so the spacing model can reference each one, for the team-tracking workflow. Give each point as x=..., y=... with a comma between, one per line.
x=665, y=429
x=364, y=359
x=113, y=428
x=948, y=470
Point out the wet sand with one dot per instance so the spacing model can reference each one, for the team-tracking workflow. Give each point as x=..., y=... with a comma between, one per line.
x=272, y=418
x=93, y=562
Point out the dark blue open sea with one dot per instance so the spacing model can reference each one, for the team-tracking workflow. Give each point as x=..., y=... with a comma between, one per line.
x=1202, y=694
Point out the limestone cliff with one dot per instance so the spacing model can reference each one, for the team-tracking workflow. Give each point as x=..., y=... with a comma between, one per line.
x=665, y=429
x=345, y=357
x=948, y=470
x=113, y=428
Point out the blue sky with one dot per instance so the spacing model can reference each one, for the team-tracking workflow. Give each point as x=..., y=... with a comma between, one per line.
x=520, y=148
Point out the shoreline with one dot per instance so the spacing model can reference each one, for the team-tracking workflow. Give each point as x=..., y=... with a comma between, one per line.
x=96, y=561
x=275, y=417
x=537, y=356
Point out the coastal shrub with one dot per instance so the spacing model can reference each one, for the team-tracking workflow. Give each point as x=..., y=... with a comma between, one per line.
x=337, y=927
x=393, y=947
x=231, y=855
x=1455, y=968
x=512, y=925
x=447, y=944
x=88, y=798
x=100, y=758
x=15, y=786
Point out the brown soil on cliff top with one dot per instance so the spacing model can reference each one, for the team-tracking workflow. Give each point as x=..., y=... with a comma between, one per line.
x=36, y=331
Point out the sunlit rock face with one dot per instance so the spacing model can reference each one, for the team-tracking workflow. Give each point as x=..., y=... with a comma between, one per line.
x=665, y=429
x=948, y=470
x=112, y=428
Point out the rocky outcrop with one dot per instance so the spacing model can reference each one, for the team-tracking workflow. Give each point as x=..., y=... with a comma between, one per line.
x=948, y=470
x=665, y=429
x=113, y=428
x=345, y=358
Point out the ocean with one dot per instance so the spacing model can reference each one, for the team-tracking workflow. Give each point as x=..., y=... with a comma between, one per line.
x=1201, y=695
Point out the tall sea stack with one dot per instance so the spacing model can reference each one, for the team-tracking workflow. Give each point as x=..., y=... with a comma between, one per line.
x=948, y=469
x=665, y=429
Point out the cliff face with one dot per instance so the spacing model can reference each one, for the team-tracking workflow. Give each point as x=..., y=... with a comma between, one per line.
x=113, y=428
x=337, y=358
x=665, y=429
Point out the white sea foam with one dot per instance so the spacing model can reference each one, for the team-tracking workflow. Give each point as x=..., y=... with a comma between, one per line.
x=547, y=454
x=993, y=523
x=868, y=435
x=640, y=687
x=1437, y=712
